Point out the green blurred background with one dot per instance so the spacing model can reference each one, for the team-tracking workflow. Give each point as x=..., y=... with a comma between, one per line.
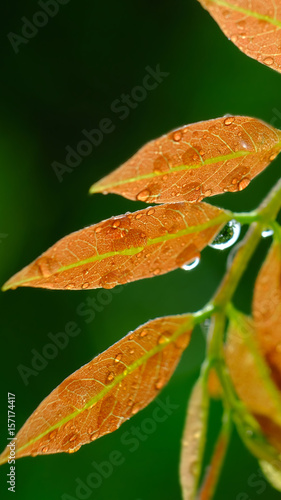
x=62, y=81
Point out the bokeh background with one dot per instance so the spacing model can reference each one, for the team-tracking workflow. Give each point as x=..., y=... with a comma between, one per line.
x=62, y=81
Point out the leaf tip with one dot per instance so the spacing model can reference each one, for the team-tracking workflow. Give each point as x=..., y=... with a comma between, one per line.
x=95, y=188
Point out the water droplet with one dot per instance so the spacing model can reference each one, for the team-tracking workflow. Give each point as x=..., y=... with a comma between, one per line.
x=118, y=357
x=267, y=232
x=159, y=384
x=45, y=449
x=53, y=434
x=229, y=120
x=135, y=409
x=143, y=195
x=116, y=224
x=111, y=375
x=93, y=437
x=85, y=285
x=143, y=333
x=191, y=265
x=98, y=229
x=130, y=402
x=243, y=184
x=272, y=157
x=138, y=216
x=268, y=61
x=131, y=337
x=73, y=450
x=132, y=351
x=177, y=136
x=162, y=339
x=233, y=38
x=228, y=236
x=90, y=430
x=208, y=193
x=156, y=271
x=151, y=211
x=70, y=286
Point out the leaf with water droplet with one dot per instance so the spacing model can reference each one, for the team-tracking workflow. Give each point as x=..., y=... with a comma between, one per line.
x=250, y=373
x=267, y=308
x=254, y=26
x=193, y=440
x=142, y=245
x=196, y=161
x=96, y=399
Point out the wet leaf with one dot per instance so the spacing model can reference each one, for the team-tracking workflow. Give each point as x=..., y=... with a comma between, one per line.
x=96, y=399
x=193, y=441
x=267, y=309
x=250, y=374
x=254, y=26
x=144, y=244
x=196, y=161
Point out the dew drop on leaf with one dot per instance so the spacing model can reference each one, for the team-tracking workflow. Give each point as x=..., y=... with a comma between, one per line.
x=267, y=232
x=191, y=265
x=228, y=236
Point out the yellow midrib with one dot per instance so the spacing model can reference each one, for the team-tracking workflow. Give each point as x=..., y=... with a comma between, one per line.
x=187, y=326
x=223, y=217
x=247, y=12
x=99, y=187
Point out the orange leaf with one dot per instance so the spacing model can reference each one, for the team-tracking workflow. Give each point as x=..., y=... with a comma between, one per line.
x=254, y=26
x=96, y=399
x=250, y=374
x=267, y=309
x=126, y=248
x=196, y=161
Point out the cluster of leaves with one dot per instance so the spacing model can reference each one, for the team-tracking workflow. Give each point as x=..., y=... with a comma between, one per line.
x=178, y=171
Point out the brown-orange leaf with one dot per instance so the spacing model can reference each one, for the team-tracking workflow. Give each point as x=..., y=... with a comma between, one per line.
x=267, y=309
x=126, y=248
x=196, y=161
x=96, y=399
x=254, y=26
x=250, y=374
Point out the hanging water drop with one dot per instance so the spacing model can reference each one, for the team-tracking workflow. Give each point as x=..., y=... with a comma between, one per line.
x=191, y=265
x=228, y=236
x=267, y=232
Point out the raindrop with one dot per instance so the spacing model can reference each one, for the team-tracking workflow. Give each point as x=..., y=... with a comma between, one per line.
x=205, y=326
x=110, y=376
x=243, y=184
x=191, y=265
x=229, y=120
x=268, y=61
x=116, y=224
x=118, y=358
x=228, y=236
x=143, y=195
x=267, y=232
x=177, y=136
x=143, y=333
